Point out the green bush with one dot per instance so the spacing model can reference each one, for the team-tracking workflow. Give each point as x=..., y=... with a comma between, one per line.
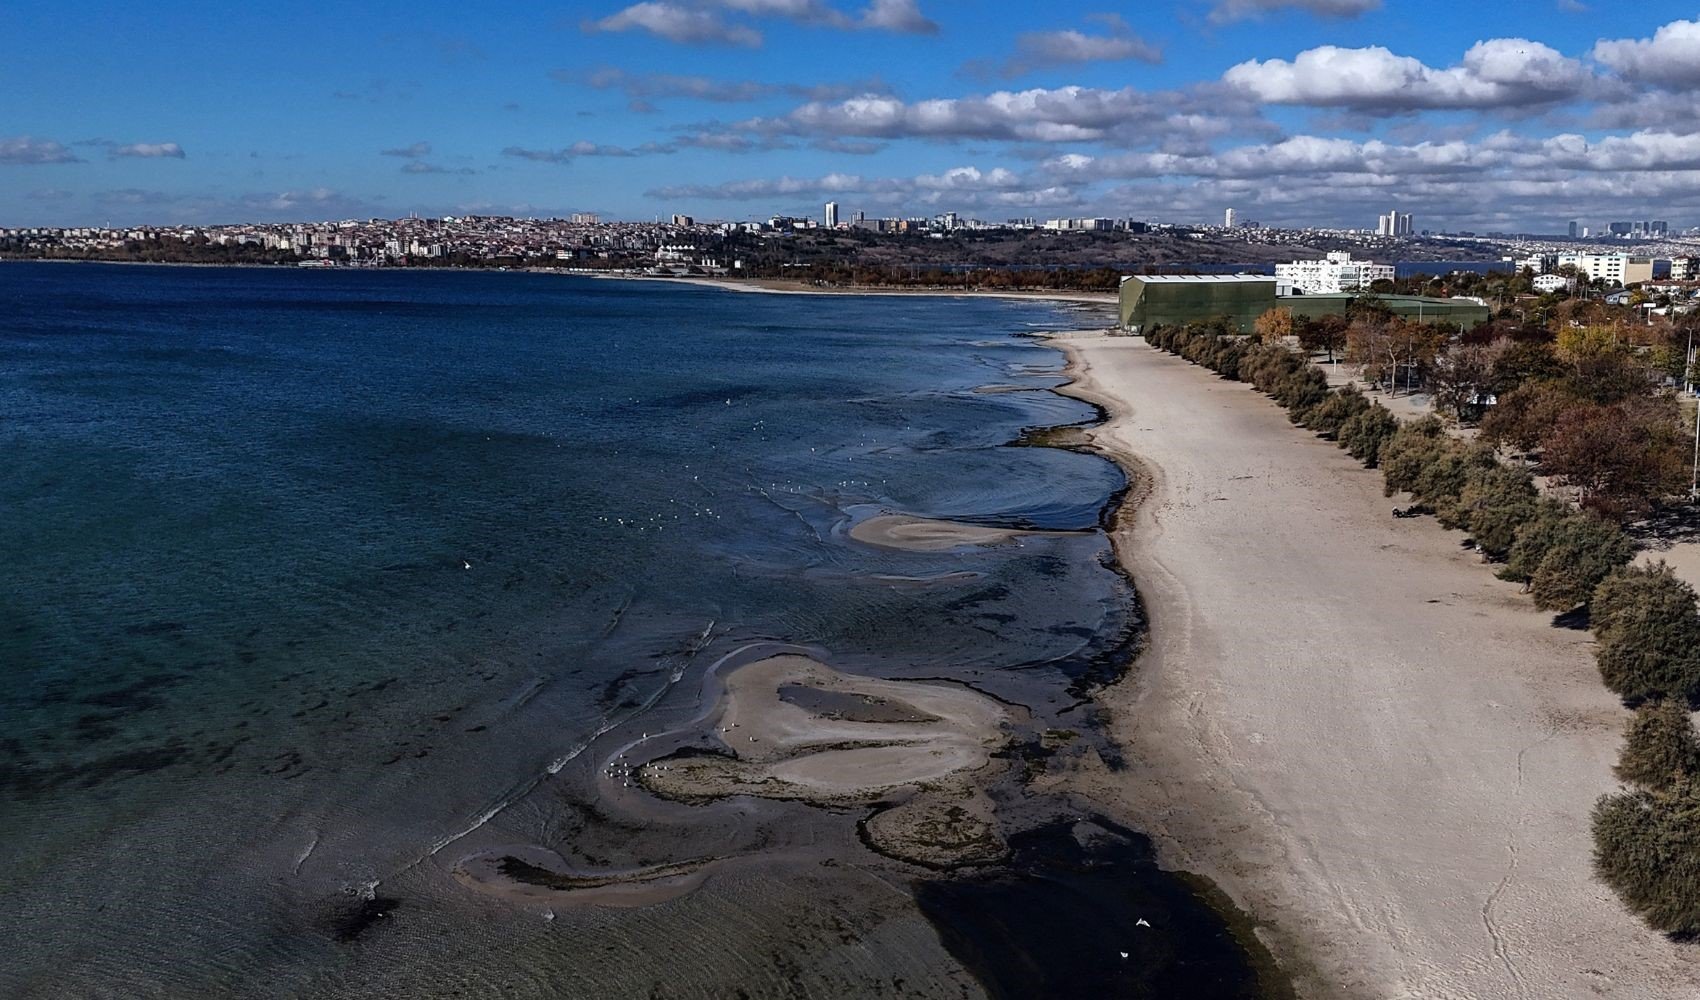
x=1660, y=748
x=1561, y=555
x=1494, y=501
x=1366, y=434
x=1340, y=406
x=1648, y=628
x=1647, y=848
x=1409, y=451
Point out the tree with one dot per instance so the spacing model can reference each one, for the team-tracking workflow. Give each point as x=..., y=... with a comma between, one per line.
x=1493, y=502
x=1659, y=747
x=1523, y=416
x=1464, y=378
x=1581, y=551
x=1274, y=326
x=1409, y=451
x=1322, y=333
x=1340, y=406
x=1647, y=848
x=1366, y=434
x=1648, y=628
x=1621, y=458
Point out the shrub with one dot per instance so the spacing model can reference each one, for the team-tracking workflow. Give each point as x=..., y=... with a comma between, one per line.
x=1340, y=406
x=1301, y=389
x=1566, y=557
x=1363, y=436
x=1647, y=848
x=1409, y=451
x=1659, y=748
x=1494, y=501
x=1440, y=483
x=1648, y=627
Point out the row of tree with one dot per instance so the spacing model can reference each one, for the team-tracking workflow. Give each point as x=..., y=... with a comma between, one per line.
x=1647, y=622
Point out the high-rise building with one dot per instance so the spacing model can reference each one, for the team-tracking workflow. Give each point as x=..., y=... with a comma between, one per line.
x=1573, y=229
x=683, y=220
x=831, y=214
x=1394, y=223
x=1228, y=218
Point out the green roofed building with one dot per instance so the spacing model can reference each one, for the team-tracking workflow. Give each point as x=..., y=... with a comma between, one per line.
x=1149, y=300
x=1178, y=299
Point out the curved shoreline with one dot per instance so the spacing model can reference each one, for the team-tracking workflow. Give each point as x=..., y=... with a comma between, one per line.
x=1386, y=760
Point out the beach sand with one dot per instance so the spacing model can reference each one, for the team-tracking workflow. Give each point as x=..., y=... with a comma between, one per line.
x=1381, y=752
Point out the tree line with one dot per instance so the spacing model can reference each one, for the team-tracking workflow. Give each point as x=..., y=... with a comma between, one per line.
x=1568, y=558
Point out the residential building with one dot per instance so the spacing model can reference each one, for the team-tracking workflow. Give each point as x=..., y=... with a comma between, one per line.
x=1618, y=267
x=1228, y=218
x=1394, y=223
x=683, y=220
x=832, y=215
x=1550, y=282
x=1334, y=274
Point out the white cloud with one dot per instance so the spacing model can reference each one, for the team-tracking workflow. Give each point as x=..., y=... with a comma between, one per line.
x=1228, y=11
x=698, y=22
x=1062, y=114
x=1035, y=50
x=149, y=150
x=1671, y=58
x=25, y=150
x=1497, y=73
x=413, y=152
x=901, y=16
x=677, y=23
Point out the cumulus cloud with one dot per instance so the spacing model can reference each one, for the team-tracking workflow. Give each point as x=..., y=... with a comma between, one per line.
x=1062, y=114
x=1671, y=58
x=25, y=150
x=645, y=87
x=148, y=150
x=962, y=187
x=715, y=141
x=421, y=167
x=1497, y=73
x=698, y=22
x=1228, y=11
x=677, y=23
x=415, y=151
x=1036, y=50
x=901, y=16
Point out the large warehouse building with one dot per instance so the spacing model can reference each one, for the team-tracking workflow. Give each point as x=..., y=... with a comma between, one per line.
x=1176, y=299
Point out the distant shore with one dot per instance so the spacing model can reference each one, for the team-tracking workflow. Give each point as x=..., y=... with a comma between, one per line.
x=1385, y=756
x=776, y=286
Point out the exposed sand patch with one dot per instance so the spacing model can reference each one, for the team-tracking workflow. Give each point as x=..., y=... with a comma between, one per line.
x=1382, y=753
x=798, y=729
x=923, y=534
x=531, y=874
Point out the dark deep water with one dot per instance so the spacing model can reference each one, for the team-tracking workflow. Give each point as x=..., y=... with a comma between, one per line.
x=318, y=579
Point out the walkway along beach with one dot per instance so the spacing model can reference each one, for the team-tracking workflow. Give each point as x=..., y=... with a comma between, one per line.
x=1381, y=752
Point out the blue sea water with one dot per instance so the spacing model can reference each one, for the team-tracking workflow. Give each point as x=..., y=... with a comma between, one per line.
x=318, y=580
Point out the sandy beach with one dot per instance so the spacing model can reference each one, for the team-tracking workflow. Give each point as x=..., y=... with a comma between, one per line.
x=1383, y=754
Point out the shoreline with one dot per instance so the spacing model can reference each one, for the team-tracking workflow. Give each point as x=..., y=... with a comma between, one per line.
x=1383, y=756
x=760, y=286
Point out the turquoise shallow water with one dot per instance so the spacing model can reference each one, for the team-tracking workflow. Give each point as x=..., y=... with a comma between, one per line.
x=313, y=576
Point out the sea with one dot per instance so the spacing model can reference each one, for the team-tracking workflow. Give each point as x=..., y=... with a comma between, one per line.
x=317, y=581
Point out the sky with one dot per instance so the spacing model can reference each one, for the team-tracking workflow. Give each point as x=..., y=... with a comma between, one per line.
x=1513, y=116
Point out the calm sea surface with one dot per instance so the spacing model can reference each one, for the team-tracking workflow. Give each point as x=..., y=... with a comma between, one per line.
x=315, y=580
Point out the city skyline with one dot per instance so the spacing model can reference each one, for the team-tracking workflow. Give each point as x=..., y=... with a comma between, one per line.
x=1293, y=112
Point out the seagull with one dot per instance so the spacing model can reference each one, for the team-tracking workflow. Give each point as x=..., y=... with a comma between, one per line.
x=1142, y=922
x=465, y=565
x=1122, y=954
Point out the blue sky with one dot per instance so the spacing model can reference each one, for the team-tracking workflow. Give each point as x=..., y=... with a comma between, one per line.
x=1295, y=112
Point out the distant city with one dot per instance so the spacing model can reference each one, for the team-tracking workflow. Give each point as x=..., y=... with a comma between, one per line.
x=681, y=242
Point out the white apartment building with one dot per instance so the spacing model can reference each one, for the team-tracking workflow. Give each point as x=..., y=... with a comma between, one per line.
x=832, y=215
x=1338, y=273
x=1618, y=267
x=1550, y=282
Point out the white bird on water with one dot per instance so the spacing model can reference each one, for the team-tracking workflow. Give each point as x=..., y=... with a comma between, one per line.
x=1142, y=922
x=465, y=565
x=1122, y=954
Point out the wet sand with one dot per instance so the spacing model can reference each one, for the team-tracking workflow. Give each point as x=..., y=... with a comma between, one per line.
x=1383, y=754
x=922, y=534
